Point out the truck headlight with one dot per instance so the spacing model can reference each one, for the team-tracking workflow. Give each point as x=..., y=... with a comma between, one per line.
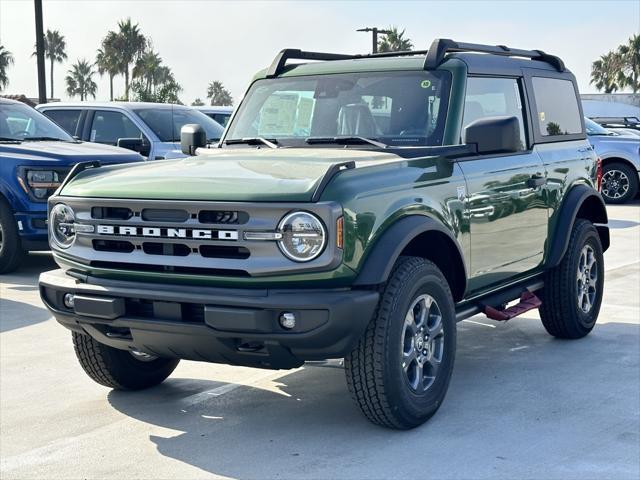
x=62, y=225
x=303, y=236
x=42, y=182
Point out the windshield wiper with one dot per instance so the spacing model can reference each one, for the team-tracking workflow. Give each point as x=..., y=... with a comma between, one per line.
x=43, y=139
x=10, y=139
x=346, y=140
x=271, y=142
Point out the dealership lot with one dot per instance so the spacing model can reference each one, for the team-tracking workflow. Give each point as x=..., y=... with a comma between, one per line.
x=521, y=404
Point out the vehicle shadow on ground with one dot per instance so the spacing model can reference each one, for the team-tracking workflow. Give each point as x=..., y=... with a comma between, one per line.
x=511, y=382
x=15, y=315
x=27, y=274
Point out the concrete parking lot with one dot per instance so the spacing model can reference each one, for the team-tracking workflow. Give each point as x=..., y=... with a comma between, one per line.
x=521, y=404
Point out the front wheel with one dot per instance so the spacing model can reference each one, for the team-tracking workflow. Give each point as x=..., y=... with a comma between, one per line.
x=619, y=183
x=572, y=292
x=120, y=369
x=399, y=372
x=11, y=253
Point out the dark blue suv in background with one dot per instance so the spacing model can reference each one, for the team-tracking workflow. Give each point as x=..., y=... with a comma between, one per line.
x=35, y=156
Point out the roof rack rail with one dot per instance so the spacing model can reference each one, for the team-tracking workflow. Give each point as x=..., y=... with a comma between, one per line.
x=434, y=56
x=441, y=46
x=280, y=61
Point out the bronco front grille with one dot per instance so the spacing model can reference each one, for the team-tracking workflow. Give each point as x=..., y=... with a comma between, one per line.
x=190, y=237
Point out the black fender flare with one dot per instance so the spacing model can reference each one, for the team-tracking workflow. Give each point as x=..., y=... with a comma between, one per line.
x=587, y=202
x=377, y=265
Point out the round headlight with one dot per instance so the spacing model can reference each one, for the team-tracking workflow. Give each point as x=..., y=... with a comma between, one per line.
x=303, y=236
x=61, y=221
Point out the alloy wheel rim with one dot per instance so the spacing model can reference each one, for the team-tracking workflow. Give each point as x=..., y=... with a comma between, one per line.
x=422, y=343
x=587, y=279
x=615, y=184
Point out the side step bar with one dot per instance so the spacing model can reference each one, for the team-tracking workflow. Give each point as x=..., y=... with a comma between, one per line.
x=493, y=305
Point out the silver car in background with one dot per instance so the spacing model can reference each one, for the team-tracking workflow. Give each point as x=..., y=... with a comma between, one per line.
x=620, y=155
x=153, y=129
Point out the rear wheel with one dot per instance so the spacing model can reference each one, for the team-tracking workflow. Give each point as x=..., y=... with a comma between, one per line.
x=619, y=183
x=400, y=370
x=11, y=253
x=120, y=369
x=572, y=292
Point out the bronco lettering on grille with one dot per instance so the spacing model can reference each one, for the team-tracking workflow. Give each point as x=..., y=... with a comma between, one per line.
x=165, y=232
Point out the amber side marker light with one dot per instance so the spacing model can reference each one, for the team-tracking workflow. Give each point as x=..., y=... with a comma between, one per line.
x=340, y=232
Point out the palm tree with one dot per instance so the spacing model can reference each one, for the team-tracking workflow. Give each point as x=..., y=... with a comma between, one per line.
x=107, y=59
x=55, y=49
x=6, y=59
x=605, y=72
x=630, y=57
x=80, y=80
x=146, y=68
x=197, y=103
x=394, y=41
x=131, y=44
x=218, y=94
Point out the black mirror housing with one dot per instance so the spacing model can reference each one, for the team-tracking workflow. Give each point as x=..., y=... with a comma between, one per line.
x=192, y=137
x=134, y=144
x=494, y=135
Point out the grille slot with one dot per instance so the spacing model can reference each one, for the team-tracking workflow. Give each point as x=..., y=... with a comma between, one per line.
x=164, y=215
x=111, y=213
x=113, y=246
x=221, y=251
x=172, y=249
x=225, y=217
x=143, y=267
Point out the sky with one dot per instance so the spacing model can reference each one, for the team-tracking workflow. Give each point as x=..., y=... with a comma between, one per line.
x=230, y=40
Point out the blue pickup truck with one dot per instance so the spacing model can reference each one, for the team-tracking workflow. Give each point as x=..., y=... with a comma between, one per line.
x=35, y=156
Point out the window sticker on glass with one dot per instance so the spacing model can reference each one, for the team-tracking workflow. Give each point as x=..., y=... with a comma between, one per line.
x=278, y=115
x=305, y=111
x=542, y=116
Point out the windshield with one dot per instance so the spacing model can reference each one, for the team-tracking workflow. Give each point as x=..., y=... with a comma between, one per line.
x=594, y=129
x=167, y=122
x=395, y=108
x=21, y=122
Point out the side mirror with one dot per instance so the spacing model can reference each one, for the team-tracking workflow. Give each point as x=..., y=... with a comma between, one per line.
x=192, y=137
x=494, y=135
x=134, y=144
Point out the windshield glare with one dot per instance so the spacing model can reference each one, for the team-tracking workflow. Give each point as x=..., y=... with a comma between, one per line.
x=167, y=122
x=21, y=122
x=396, y=108
x=595, y=129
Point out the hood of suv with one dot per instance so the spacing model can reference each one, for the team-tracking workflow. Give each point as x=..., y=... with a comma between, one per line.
x=67, y=152
x=626, y=146
x=223, y=175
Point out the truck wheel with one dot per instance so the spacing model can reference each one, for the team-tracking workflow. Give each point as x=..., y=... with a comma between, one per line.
x=572, y=292
x=399, y=372
x=11, y=253
x=619, y=183
x=120, y=369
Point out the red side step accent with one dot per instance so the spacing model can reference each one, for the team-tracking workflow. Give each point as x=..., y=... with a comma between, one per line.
x=528, y=301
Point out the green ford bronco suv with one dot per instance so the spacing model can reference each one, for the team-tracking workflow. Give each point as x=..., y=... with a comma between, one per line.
x=357, y=207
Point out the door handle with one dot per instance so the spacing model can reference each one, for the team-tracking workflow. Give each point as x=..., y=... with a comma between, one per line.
x=536, y=181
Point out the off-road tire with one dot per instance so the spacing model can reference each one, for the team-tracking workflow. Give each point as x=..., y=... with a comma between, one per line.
x=374, y=369
x=119, y=369
x=11, y=252
x=560, y=312
x=632, y=176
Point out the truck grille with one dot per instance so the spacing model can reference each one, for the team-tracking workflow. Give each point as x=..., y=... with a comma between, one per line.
x=197, y=238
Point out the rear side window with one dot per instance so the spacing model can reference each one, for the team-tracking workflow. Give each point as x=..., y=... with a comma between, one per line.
x=108, y=127
x=558, y=112
x=67, y=119
x=491, y=97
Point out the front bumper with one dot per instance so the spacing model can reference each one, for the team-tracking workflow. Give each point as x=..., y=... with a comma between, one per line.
x=32, y=228
x=221, y=325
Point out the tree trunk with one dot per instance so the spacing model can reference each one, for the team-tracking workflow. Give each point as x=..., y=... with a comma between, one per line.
x=52, y=78
x=126, y=83
x=111, y=87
